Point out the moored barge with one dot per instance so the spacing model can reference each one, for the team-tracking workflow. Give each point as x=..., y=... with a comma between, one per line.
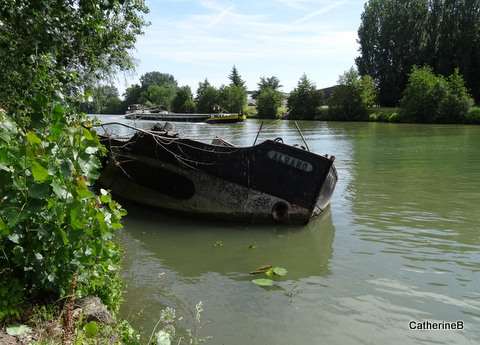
x=268, y=182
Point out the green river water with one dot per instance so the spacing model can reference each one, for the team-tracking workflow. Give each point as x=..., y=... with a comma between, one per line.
x=400, y=242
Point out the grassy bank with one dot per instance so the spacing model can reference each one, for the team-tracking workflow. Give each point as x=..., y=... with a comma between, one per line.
x=377, y=114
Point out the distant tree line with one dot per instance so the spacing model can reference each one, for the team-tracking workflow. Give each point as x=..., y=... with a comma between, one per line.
x=161, y=90
x=396, y=35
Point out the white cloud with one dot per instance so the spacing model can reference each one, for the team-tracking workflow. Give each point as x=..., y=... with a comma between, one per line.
x=208, y=41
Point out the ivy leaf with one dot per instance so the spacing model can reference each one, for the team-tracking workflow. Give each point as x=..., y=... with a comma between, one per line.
x=33, y=139
x=59, y=190
x=3, y=228
x=91, y=329
x=91, y=150
x=263, y=282
x=76, y=218
x=39, y=191
x=40, y=174
x=57, y=113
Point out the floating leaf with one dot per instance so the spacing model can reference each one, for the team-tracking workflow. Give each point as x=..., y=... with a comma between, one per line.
x=17, y=330
x=280, y=271
x=91, y=329
x=263, y=282
x=218, y=244
x=261, y=269
x=40, y=174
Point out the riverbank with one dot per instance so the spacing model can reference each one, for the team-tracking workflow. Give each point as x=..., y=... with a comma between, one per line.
x=86, y=322
x=377, y=114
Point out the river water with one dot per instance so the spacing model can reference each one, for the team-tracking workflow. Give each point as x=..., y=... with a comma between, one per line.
x=400, y=243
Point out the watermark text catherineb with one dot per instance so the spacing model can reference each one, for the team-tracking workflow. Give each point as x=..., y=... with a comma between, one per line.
x=435, y=325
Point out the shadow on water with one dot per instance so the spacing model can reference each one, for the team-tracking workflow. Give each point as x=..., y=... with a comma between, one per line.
x=194, y=247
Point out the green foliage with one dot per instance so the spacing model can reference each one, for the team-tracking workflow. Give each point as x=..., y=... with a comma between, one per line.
x=263, y=282
x=396, y=35
x=160, y=95
x=233, y=98
x=384, y=115
x=183, y=101
x=207, y=98
x=270, y=82
x=473, y=116
x=93, y=333
x=134, y=95
x=434, y=98
x=104, y=100
x=352, y=97
x=236, y=79
x=157, y=78
x=12, y=296
x=271, y=273
x=303, y=100
x=86, y=40
x=268, y=103
x=156, y=89
x=53, y=227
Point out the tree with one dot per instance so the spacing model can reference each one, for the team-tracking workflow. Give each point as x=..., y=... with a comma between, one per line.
x=396, y=35
x=270, y=82
x=268, y=102
x=433, y=98
x=133, y=95
x=352, y=98
x=392, y=40
x=160, y=95
x=56, y=233
x=183, y=101
x=157, y=78
x=207, y=98
x=63, y=30
x=303, y=100
x=104, y=100
x=233, y=98
x=235, y=78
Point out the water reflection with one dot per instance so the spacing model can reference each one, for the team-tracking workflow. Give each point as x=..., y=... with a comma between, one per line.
x=230, y=249
x=401, y=242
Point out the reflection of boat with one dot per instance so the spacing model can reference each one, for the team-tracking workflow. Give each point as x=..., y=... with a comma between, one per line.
x=153, y=237
x=226, y=118
x=269, y=181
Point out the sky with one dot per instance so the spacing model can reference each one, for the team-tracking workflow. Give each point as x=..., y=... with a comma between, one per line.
x=198, y=39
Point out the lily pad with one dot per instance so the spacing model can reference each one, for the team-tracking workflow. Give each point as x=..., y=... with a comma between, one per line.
x=280, y=271
x=263, y=282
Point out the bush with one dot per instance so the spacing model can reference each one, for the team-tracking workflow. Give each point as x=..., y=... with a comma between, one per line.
x=384, y=115
x=473, y=116
x=432, y=98
x=52, y=226
x=352, y=97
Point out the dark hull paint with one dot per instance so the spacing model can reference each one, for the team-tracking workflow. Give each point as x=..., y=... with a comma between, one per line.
x=269, y=181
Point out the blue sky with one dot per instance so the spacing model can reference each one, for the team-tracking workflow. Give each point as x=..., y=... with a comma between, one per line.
x=198, y=39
